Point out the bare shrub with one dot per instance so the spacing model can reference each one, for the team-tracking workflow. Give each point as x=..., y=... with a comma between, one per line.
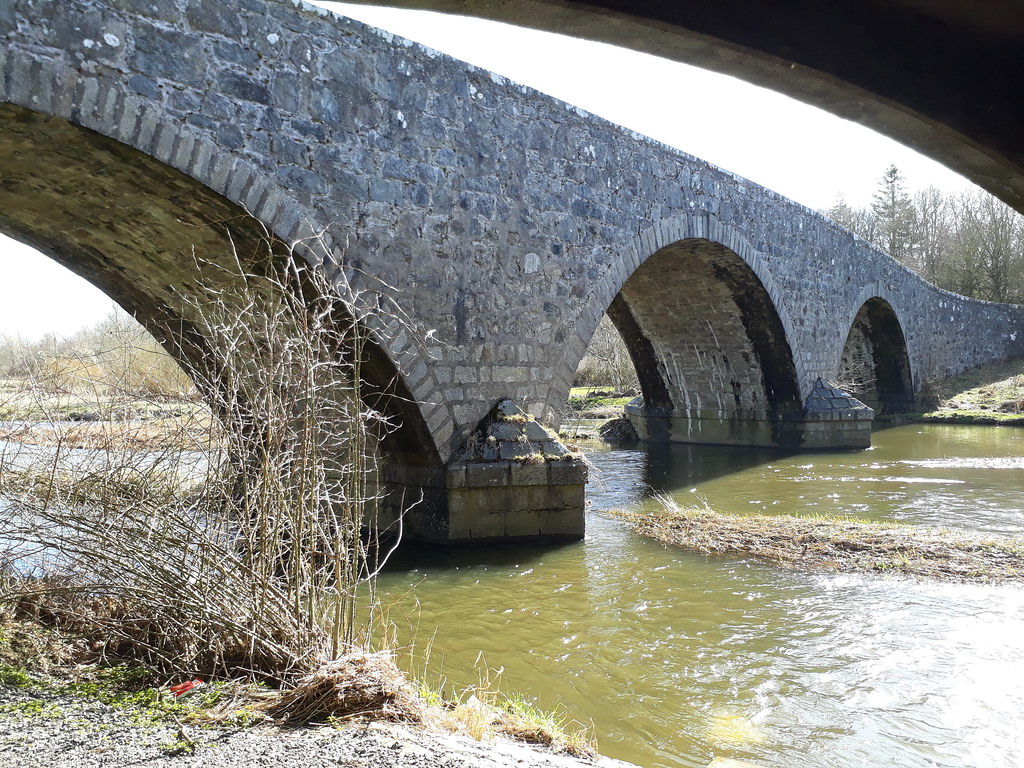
x=250, y=556
x=607, y=362
x=856, y=374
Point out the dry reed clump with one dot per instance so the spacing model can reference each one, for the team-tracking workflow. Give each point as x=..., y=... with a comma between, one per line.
x=25, y=641
x=183, y=431
x=358, y=685
x=64, y=373
x=252, y=560
x=836, y=544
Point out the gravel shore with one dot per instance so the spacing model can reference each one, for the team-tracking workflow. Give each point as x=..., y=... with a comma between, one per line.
x=41, y=729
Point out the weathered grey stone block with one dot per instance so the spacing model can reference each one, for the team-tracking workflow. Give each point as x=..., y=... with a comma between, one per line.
x=567, y=472
x=515, y=450
x=536, y=432
x=488, y=475
x=529, y=474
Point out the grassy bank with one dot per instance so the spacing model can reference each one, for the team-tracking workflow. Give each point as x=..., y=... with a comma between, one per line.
x=991, y=394
x=597, y=402
x=836, y=544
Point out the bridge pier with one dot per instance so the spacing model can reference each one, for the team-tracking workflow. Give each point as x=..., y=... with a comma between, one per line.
x=514, y=482
x=830, y=418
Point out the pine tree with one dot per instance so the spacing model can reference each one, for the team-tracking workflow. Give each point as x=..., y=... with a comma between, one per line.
x=894, y=216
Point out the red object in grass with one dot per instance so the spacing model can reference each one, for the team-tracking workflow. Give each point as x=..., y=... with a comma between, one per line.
x=183, y=688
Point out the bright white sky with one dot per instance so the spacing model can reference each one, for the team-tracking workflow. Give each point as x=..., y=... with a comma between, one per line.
x=799, y=151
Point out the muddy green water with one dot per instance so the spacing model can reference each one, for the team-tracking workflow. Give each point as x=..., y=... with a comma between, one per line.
x=677, y=658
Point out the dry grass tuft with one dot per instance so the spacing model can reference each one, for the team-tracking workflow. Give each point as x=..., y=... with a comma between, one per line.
x=358, y=685
x=527, y=730
x=484, y=713
x=836, y=544
x=472, y=718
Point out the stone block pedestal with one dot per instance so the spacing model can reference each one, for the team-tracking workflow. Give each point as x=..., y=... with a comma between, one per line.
x=514, y=482
x=508, y=501
x=835, y=419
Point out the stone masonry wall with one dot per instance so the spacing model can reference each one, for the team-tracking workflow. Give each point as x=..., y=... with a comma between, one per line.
x=503, y=221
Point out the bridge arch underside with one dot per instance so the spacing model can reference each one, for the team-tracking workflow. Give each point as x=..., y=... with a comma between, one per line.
x=709, y=349
x=875, y=366
x=134, y=227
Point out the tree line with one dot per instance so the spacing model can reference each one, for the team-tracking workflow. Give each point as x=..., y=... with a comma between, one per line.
x=969, y=242
x=116, y=354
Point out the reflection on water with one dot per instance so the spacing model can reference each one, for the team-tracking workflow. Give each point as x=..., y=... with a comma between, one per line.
x=947, y=476
x=677, y=657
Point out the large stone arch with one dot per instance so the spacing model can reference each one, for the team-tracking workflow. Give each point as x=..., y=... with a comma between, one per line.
x=98, y=177
x=875, y=363
x=139, y=231
x=708, y=339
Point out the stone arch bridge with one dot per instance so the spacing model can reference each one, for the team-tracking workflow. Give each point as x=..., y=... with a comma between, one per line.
x=504, y=223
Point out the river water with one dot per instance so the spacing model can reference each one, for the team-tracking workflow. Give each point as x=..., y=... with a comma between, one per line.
x=677, y=657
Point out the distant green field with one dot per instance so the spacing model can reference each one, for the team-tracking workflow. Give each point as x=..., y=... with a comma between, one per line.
x=597, y=401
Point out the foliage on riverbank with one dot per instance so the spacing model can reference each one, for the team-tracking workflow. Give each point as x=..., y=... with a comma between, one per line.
x=598, y=402
x=250, y=564
x=835, y=544
x=114, y=358
x=57, y=659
